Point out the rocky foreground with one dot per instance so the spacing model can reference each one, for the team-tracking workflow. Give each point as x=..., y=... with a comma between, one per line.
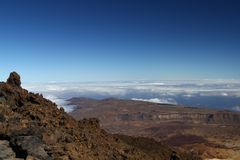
x=33, y=128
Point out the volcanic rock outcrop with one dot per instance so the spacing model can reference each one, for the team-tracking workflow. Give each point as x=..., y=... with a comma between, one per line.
x=14, y=79
x=33, y=128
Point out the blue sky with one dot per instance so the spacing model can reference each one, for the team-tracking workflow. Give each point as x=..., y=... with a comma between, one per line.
x=120, y=40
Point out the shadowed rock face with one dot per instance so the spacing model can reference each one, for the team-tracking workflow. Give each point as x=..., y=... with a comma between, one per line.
x=6, y=151
x=14, y=79
x=32, y=127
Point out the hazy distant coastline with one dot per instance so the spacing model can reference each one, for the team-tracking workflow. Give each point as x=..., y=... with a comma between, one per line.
x=223, y=94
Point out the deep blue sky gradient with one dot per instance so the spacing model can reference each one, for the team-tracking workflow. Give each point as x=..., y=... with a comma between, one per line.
x=93, y=40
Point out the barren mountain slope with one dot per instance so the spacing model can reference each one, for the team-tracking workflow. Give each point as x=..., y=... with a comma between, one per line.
x=32, y=127
x=205, y=132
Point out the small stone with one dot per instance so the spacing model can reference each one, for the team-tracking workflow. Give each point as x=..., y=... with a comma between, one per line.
x=6, y=151
x=30, y=158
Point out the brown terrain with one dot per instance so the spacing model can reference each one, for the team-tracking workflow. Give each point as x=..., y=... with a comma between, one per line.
x=208, y=133
x=33, y=128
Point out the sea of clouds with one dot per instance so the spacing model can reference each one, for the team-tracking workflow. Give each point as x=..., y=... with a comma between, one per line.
x=204, y=93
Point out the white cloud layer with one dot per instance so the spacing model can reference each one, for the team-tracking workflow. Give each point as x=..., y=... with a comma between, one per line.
x=61, y=102
x=157, y=100
x=236, y=108
x=154, y=91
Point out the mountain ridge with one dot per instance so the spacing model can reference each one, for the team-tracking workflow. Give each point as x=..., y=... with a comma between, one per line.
x=209, y=133
x=33, y=128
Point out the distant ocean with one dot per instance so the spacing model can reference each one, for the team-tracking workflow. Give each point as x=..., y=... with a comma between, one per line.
x=222, y=94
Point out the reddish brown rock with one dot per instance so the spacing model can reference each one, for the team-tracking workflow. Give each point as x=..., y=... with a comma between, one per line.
x=36, y=129
x=14, y=79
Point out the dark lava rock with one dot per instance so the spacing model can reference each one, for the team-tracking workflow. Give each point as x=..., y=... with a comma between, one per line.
x=2, y=118
x=14, y=79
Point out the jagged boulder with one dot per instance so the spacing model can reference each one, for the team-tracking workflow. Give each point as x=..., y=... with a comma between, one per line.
x=14, y=79
x=6, y=151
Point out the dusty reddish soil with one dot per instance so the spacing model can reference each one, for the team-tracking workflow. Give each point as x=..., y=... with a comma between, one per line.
x=204, y=132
